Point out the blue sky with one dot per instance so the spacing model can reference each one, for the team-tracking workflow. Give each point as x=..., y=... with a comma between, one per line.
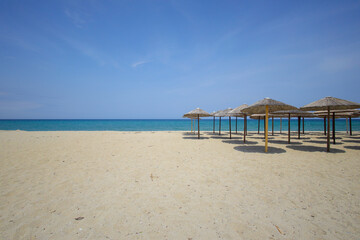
x=160, y=59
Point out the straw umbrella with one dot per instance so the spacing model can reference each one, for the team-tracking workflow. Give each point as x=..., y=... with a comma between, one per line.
x=224, y=113
x=265, y=106
x=197, y=113
x=330, y=103
x=237, y=112
x=294, y=113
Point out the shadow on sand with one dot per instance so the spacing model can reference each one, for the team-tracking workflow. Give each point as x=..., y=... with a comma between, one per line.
x=259, y=149
x=238, y=142
x=330, y=137
x=262, y=137
x=352, y=137
x=352, y=141
x=352, y=147
x=314, y=149
x=196, y=138
x=282, y=142
x=188, y=133
x=323, y=142
x=223, y=137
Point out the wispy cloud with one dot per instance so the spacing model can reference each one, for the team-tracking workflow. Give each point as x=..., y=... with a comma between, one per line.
x=77, y=19
x=87, y=50
x=136, y=64
x=20, y=42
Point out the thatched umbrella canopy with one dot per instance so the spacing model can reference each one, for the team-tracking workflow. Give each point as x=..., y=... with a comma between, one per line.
x=197, y=113
x=224, y=113
x=265, y=106
x=295, y=113
x=330, y=103
x=339, y=111
x=237, y=112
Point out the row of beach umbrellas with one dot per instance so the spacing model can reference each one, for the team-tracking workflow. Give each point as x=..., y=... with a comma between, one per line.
x=325, y=108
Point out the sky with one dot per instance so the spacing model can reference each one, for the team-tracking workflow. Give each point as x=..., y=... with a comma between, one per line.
x=157, y=59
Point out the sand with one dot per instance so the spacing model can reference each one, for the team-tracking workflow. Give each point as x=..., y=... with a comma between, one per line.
x=169, y=185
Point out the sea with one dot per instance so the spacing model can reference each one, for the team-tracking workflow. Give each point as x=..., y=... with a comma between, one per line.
x=166, y=124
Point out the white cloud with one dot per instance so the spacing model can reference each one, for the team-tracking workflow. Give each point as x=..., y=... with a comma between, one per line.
x=75, y=17
x=134, y=65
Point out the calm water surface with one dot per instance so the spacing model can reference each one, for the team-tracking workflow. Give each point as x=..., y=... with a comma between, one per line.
x=163, y=125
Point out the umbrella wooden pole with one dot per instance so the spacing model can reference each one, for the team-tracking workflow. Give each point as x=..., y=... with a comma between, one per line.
x=219, y=125
x=325, y=126
x=303, y=125
x=347, y=125
x=289, y=128
x=333, y=127
x=230, y=126
x=328, y=130
x=258, y=125
x=198, y=127
x=213, y=124
x=266, y=127
x=350, y=126
x=280, y=124
x=272, y=126
x=191, y=124
x=244, y=128
x=245, y=124
x=299, y=122
x=235, y=124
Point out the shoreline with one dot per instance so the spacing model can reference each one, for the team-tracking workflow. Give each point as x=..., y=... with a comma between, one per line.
x=177, y=131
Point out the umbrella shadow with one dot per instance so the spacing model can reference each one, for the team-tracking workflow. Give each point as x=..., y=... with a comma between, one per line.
x=211, y=133
x=352, y=147
x=303, y=138
x=322, y=142
x=259, y=149
x=282, y=142
x=220, y=137
x=262, y=137
x=196, y=138
x=352, y=141
x=330, y=137
x=314, y=149
x=188, y=133
x=238, y=142
x=352, y=137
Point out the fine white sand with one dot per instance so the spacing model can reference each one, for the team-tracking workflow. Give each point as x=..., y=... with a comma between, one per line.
x=170, y=185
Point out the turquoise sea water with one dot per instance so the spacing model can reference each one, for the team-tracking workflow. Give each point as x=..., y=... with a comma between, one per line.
x=163, y=125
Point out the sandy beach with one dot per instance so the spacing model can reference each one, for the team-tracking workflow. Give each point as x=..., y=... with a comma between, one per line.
x=170, y=185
